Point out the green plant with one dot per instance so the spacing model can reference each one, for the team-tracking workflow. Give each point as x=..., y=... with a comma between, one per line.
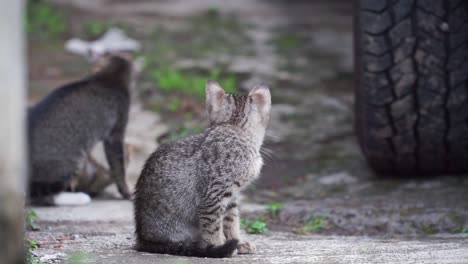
x=183, y=131
x=174, y=104
x=44, y=19
x=30, y=258
x=314, y=224
x=170, y=80
x=464, y=230
x=96, y=28
x=254, y=226
x=287, y=41
x=188, y=116
x=428, y=229
x=31, y=244
x=274, y=209
x=30, y=220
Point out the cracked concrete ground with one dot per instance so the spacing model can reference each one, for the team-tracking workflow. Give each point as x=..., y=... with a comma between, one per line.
x=104, y=230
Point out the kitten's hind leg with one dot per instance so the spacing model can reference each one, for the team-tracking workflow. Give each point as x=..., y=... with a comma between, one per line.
x=96, y=177
x=210, y=222
x=114, y=149
x=231, y=229
x=231, y=223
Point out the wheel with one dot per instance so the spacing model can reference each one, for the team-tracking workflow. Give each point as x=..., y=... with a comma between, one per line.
x=411, y=88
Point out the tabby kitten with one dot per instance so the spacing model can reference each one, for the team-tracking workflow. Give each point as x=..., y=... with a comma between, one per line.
x=69, y=121
x=186, y=196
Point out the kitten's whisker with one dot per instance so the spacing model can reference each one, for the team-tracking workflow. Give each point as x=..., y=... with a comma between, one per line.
x=268, y=154
x=267, y=150
x=269, y=135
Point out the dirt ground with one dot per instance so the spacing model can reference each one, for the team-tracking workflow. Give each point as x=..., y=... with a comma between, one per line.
x=333, y=208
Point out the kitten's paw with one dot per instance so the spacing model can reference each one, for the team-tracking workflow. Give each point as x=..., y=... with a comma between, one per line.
x=246, y=248
x=71, y=198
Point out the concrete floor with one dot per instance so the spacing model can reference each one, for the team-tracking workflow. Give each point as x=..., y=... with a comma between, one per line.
x=104, y=230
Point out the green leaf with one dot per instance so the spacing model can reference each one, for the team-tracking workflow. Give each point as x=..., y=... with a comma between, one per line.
x=33, y=244
x=172, y=80
x=313, y=224
x=254, y=227
x=45, y=20
x=30, y=219
x=274, y=209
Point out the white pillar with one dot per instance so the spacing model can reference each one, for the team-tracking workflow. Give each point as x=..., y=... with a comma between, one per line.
x=13, y=163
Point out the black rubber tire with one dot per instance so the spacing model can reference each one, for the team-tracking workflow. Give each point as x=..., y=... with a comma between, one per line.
x=412, y=90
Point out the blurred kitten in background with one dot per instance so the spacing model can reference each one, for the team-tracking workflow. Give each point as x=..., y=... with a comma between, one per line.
x=70, y=121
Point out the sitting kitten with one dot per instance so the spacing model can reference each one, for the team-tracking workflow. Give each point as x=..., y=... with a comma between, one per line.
x=186, y=196
x=69, y=121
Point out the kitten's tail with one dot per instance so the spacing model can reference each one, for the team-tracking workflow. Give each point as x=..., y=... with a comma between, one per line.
x=191, y=249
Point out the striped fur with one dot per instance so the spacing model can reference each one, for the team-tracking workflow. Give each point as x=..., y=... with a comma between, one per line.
x=190, y=249
x=186, y=196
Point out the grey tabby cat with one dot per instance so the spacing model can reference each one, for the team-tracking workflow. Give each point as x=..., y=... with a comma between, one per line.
x=69, y=121
x=186, y=196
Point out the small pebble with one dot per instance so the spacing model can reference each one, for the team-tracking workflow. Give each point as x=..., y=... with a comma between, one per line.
x=445, y=27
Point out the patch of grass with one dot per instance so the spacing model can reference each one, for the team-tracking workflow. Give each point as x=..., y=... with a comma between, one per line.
x=44, y=20
x=96, y=28
x=183, y=131
x=274, y=209
x=188, y=116
x=464, y=230
x=217, y=33
x=171, y=80
x=254, y=226
x=456, y=218
x=174, y=104
x=209, y=35
x=459, y=230
x=314, y=224
x=212, y=21
x=429, y=229
x=287, y=41
x=30, y=258
x=458, y=222
x=31, y=244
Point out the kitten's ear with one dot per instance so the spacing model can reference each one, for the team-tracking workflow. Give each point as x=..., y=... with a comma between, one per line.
x=261, y=97
x=214, y=97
